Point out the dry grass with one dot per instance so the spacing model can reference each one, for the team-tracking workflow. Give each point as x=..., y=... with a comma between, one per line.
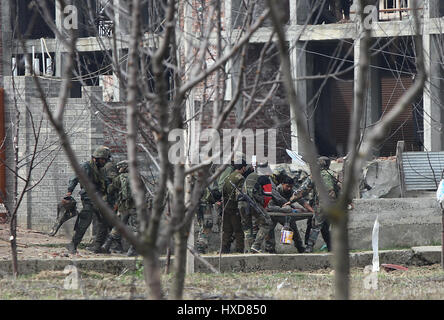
x=416, y=283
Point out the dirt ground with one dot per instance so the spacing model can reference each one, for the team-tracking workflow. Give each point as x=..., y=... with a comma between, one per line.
x=416, y=283
x=32, y=244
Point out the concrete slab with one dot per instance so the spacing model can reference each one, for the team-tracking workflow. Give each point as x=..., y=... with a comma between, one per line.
x=237, y=262
x=426, y=255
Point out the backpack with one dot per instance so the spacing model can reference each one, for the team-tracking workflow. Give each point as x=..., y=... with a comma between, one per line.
x=125, y=188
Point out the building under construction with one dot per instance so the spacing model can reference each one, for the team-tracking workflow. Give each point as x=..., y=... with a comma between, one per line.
x=30, y=45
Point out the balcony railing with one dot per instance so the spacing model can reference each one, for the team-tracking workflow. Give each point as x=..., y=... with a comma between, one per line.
x=389, y=10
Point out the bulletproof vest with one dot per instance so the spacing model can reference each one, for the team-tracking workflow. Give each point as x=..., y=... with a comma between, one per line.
x=229, y=192
x=250, y=181
x=110, y=171
x=330, y=181
x=223, y=176
x=125, y=188
x=96, y=176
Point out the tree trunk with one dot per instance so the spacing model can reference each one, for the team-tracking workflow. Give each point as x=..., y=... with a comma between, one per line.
x=13, y=231
x=180, y=262
x=341, y=261
x=152, y=275
x=180, y=235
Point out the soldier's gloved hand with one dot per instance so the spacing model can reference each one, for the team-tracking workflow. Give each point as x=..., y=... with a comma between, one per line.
x=294, y=210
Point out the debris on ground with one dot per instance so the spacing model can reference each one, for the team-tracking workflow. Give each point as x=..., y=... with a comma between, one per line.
x=390, y=267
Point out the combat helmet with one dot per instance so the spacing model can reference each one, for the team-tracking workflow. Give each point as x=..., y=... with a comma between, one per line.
x=102, y=152
x=324, y=162
x=264, y=169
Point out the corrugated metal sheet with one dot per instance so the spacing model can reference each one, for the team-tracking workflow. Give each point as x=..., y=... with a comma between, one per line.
x=422, y=170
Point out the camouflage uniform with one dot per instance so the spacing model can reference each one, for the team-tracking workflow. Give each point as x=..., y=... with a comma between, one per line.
x=275, y=205
x=110, y=171
x=319, y=223
x=231, y=218
x=220, y=185
x=119, y=189
x=254, y=191
x=205, y=218
x=84, y=218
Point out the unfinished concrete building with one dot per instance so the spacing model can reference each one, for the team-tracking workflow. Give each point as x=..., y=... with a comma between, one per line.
x=316, y=49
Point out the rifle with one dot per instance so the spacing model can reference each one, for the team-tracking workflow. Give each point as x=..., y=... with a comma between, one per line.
x=253, y=203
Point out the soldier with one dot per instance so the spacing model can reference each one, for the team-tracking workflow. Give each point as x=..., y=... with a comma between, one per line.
x=319, y=222
x=238, y=156
x=120, y=190
x=231, y=219
x=286, y=190
x=84, y=218
x=299, y=178
x=205, y=218
x=257, y=188
x=110, y=171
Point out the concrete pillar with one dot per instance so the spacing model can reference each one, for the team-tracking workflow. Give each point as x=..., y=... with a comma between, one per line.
x=6, y=15
x=301, y=64
x=233, y=65
x=122, y=31
x=59, y=44
x=372, y=112
x=432, y=94
x=188, y=26
x=301, y=10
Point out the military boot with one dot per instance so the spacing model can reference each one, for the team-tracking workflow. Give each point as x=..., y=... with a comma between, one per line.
x=107, y=245
x=72, y=248
x=312, y=240
x=95, y=248
x=131, y=252
x=117, y=246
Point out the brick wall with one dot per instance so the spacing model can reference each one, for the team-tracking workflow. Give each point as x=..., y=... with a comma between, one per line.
x=275, y=114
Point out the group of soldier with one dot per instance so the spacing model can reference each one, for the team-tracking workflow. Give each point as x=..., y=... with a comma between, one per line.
x=111, y=182
x=244, y=198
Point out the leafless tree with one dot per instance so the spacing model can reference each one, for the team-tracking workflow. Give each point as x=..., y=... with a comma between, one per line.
x=197, y=49
x=184, y=46
x=359, y=151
